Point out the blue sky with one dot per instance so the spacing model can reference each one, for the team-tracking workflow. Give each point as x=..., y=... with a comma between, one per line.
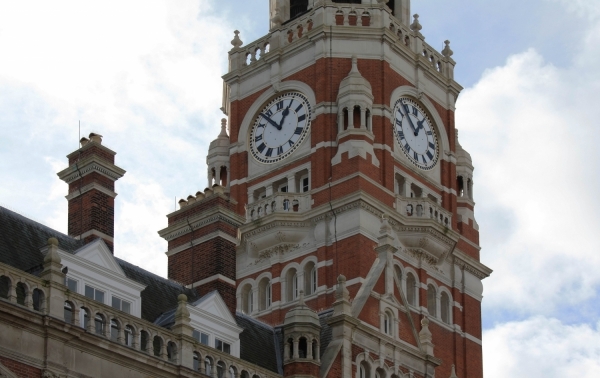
x=146, y=75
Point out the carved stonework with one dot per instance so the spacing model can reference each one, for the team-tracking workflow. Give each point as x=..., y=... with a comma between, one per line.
x=424, y=256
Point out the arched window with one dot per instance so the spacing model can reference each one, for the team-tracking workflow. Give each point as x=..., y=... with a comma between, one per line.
x=207, y=366
x=297, y=7
x=250, y=301
x=431, y=300
x=411, y=289
x=220, y=369
x=310, y=281
x=196, y=361
x=144, y=341
x=363, y=370
x=99, y=323
x=291, y=290
x=387, y=323
x=302, y=347
x=264, y=294
x=172, y=352
x=445, y=307
x=68, y=314
x=246, y=298
x=232, y=372
x=114, y=330
x=157, y=344
x=295, y=286
x=129, y=335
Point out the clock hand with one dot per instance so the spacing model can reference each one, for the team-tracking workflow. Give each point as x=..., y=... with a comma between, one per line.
x=412, y=126
x=420, y=125
x=270, y=121
x=285, y=113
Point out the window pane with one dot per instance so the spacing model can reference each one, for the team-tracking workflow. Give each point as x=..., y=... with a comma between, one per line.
x=72, y=285
x=204, y=338
x=196, y=335
x=218, y=344
x=126, y=307
x=116, y=303
x=226, y=348
x=100, y=296
x=89, y=291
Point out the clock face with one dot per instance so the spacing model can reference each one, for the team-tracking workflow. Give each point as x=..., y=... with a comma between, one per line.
x=415, y=133
x=280, y=127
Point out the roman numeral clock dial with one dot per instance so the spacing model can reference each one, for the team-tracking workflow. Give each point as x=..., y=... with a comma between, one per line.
x=280, y=127
x=415, y=133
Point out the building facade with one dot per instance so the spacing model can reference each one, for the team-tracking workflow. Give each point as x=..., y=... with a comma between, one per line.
x=336, y=238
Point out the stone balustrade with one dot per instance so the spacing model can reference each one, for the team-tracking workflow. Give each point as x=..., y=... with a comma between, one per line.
x=278, y=203
x=330, y=16
x=424, y=208
x=175, y=347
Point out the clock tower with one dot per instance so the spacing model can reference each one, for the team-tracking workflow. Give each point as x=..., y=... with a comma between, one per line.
x=340, y=203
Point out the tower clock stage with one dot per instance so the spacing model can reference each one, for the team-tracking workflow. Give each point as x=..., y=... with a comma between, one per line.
x=340, y=192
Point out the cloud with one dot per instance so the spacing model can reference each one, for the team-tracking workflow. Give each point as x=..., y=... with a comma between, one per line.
x=145, y=74
x=541, y=347
x=530, y=128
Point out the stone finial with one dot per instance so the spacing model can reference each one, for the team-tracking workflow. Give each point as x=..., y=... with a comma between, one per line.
x=416, y=26
x=386, y=237
x=182, y=203
x=218, y=189
x=52, y=257
x=191, y=199
x=208, y=192
x=341, y=292
x=83, y=141
x=453, y=372
x=236, y=41
x=199, y=196
x=447, y=51
x=425, y=336
x=182, y=313
x=354, y=65
x=223, y=128
x=97, y=138
x=301, y=298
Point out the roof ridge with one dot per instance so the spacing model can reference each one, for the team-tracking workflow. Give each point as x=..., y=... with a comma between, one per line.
x=256, y=321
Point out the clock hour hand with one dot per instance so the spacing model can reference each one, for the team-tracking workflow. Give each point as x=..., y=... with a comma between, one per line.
x=420, y=125
x=285, y=113
x=270, y=121
x=412, y=126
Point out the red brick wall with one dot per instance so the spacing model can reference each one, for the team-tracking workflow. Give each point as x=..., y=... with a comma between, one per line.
x=301, y=368
x=21, y=370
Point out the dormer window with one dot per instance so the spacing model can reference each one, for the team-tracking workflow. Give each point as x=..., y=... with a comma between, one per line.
x=222, y=346
x=121, y=305
x=71, y=284
x=94, y=293
x=201, y=337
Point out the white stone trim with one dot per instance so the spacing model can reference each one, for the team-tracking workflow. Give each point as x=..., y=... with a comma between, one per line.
x=472, y=338
x=87, y=188
x=201, y=240
x=210, y=279
x=96, y=233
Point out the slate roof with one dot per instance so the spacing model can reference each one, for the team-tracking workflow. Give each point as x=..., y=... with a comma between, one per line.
x=160, y=294
x=259, y=344
x=325, y=329
x=21, y=239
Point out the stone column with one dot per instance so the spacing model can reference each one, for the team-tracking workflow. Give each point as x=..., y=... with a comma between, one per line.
x=363, y=118
x=292, y=183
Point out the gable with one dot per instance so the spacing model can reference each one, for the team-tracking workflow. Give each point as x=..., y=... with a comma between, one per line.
x=214, y=305
x=98, y=253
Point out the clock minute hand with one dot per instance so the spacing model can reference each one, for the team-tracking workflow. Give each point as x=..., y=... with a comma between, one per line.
x=412, y=126
x=270, y=121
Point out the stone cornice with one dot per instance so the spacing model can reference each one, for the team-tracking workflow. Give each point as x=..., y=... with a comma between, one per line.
x=195, y=222
x=471, y=265
x=89, y=165
x=91, y=186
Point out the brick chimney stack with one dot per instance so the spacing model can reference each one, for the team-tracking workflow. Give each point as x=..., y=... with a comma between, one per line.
x=91, y=176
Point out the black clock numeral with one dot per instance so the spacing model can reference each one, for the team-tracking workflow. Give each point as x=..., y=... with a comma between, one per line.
x=416, y=155
x=269, y=151
x=429, y=133
x=298, y=130
x=432, y=146
x=280, y=105
x=429, y=155
x=261, y=125
x=258, y=138
x=290, y=143
x=302, y=118
x=299, y=108
x=407, y=147
x=279, y=150
x=415, y=111
x=399, y=123
x=261, y=148
x=424, y=160
x=269, y=113
x=401, y=134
